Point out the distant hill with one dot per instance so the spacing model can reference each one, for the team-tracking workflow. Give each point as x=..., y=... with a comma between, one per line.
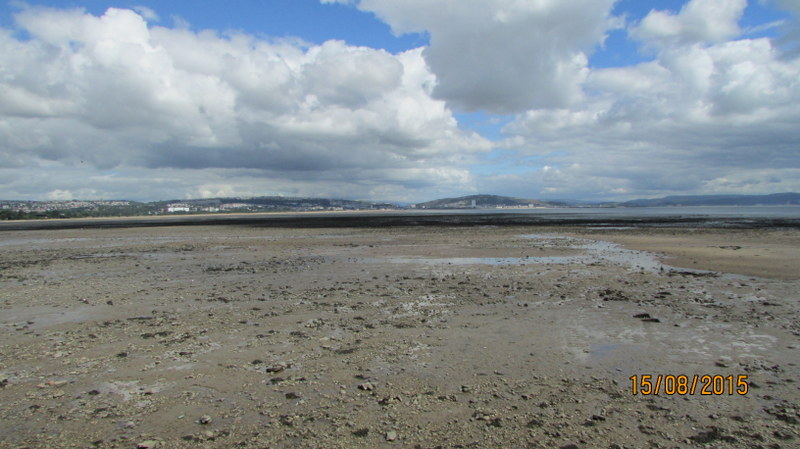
x=775, y=199
x=18, y=210
x=25, y=209
x=497, y=201
x=484, y=202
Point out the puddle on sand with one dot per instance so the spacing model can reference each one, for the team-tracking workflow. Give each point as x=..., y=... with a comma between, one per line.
x=603, y=350
x=32, y=242
x=558, y=260
x=594, y=252
x=42, y=317
x=600, y=251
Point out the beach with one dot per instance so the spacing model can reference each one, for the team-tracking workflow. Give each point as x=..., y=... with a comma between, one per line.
x=454, y=335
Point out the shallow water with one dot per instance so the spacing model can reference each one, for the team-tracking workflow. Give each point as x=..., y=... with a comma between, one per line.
x=594, y=251
x=555, y=260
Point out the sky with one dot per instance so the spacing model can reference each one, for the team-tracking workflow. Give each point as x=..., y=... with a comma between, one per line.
x=398, y=100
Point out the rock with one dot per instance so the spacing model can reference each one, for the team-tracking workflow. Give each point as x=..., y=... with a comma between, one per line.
x=533, y=423
x=361, y=433
x=277, y=368
x=366, y=386
x=712, y=435
x=204, y=420
x=613, y=295
x=148, y=444
x=289, y=420
x=391, y=435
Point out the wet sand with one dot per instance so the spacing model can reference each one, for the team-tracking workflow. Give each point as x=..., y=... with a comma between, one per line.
x=768, y=253
x=417, y=336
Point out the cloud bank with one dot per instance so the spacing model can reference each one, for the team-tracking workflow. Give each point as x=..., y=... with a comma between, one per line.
x=503, y=56
x=114, y=106
x=115, y=94
x=708, y=114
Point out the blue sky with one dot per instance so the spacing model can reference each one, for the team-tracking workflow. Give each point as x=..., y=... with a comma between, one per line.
x=404, y=100
x=307, y=19
x=316, y=22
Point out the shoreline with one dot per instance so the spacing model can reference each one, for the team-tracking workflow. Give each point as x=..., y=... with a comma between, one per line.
x=386, y=219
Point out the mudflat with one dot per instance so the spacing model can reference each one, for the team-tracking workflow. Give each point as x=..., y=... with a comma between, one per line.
x=418, y=336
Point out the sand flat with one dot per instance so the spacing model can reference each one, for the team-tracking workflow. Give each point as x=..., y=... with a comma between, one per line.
x=418, y=336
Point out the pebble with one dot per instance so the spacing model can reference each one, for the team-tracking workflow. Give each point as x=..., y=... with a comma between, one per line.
x=205, y=420
x=391, y=435
x=277, y=368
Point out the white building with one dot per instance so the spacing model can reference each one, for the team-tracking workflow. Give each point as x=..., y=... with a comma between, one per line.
x=177, y=207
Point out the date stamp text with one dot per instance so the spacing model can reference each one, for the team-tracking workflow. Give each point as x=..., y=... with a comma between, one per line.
x=683, y=385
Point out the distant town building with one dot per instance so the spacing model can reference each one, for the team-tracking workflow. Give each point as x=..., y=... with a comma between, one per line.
x=227, y=206
x=177, y=207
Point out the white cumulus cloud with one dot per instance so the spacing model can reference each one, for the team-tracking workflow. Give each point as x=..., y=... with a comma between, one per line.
x=115, y=93
x=503, y=56
x=707, y=113
x=698, y=21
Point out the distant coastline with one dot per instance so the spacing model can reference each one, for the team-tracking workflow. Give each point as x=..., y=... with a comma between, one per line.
x=712, y=217
x=71, y=209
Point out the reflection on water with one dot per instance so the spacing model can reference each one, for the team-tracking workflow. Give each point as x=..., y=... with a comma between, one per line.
x=28, y=242
x=556, y=260
x=603, y=350
x=594, y=252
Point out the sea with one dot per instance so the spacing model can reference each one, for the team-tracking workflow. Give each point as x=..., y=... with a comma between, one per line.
x=709, y=216
x=642, y=212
